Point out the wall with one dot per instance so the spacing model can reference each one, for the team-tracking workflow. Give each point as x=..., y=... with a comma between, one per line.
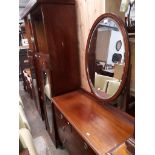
x=115, y=36
x=87, y=12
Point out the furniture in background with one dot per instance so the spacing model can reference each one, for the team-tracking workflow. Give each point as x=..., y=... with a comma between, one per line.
x=104, y=82
x=118, y=71
x=52, y=35
x=23, y=61
x=27, y=80
x=104, y=71
x=113, y=86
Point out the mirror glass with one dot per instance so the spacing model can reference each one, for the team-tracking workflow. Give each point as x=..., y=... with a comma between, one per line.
x=47, y=99
x=106, y=58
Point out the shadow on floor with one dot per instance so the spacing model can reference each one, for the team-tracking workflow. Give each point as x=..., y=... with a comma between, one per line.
x=42, y=140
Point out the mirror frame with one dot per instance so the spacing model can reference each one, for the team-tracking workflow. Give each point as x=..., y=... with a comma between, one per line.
x=121, y=25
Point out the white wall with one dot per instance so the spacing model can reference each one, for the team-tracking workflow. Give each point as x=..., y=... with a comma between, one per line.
x=115, y=36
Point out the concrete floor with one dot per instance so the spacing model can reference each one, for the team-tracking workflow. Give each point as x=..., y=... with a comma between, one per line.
x=42, y=140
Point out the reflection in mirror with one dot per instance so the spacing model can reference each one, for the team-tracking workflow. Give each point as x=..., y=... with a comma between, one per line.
x=47, y=85
x=47, y=95
x=106, y=64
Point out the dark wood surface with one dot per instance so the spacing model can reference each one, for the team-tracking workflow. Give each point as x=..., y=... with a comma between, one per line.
x=102, y=127
x=53, y=25
x=28, y=81
x=41, y=63
x=59, y=41
x=28, y=32
x=33, y=3
x=25, y=70
x=100, y=70
x=24, y=152
x=50, y=121
x=23, y=59
x=126, y=148
x=122, y=28
x=62, y=46
x=39, y=30
x=69, y=137
x=120, y=150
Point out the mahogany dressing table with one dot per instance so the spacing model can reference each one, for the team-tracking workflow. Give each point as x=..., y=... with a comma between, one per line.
x=87, y=124
x=100, y=126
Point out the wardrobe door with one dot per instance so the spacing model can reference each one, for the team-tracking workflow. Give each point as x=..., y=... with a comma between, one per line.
x=61, y=33
x=38, y=27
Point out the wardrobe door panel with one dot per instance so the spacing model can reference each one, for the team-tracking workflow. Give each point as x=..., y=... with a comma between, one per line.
x=60, y=29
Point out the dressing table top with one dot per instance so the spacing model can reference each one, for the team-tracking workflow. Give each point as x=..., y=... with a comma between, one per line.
x=101, y=126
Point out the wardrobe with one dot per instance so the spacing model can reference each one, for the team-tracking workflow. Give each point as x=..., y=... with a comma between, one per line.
x=52, y=34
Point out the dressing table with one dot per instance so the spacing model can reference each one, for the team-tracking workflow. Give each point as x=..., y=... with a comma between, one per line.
x=87, y=124
x=99, y=127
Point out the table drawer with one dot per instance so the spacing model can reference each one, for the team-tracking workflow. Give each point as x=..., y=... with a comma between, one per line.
x=61, y=123
x=69, y=137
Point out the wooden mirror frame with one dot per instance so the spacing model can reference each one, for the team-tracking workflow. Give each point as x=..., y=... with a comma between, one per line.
x=123, y=30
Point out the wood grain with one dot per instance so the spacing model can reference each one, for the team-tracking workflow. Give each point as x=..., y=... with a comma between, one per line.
x=61, y=33
x=102, y=127
x=38, y=24
x=120, y=150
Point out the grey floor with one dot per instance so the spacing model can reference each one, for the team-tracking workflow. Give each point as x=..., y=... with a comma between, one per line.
x=42, y=140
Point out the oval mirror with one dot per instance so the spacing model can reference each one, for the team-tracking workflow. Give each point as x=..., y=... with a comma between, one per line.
x=107, y=57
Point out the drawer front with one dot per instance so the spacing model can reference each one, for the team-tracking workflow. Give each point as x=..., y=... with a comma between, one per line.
x=77, y=146
x=69, y=137
x=61, y=125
